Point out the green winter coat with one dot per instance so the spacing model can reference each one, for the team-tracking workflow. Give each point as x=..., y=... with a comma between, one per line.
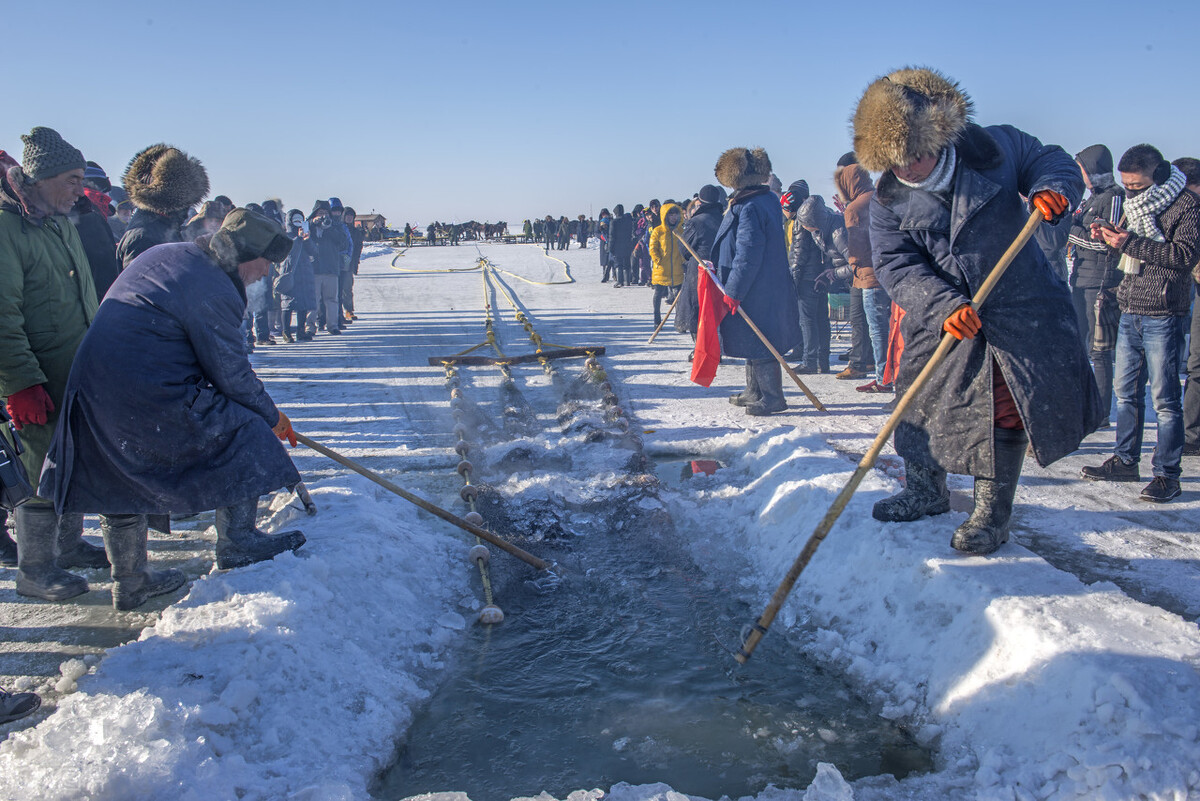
x=47, y=302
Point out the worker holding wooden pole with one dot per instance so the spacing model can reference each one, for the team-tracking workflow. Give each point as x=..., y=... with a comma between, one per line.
x=750, y=258
x=981, y=380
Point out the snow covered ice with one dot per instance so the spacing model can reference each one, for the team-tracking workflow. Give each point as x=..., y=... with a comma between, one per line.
x=1062, y=667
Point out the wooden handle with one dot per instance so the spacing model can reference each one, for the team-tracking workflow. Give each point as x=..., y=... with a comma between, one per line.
x=483, y=534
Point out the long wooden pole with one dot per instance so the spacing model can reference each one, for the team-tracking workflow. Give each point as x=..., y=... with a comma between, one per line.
x=778, y=356
x=666, y=316
x=449, y=517
x=759, y=629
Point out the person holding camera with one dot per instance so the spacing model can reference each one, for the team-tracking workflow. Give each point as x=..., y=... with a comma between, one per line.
x=1158, y=251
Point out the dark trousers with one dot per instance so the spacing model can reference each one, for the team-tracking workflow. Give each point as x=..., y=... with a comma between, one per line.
x=660, y=292
x=814, y=325
x=1191, y=393
x=1084, y=301
x=862, y=357
x=623, y=268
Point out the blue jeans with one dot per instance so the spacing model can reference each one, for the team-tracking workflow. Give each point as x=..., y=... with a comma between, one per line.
x=878, y=308
x=1148, y=350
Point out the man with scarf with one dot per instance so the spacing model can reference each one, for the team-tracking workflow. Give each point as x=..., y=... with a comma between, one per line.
x=1158, y=250
x=948, y=204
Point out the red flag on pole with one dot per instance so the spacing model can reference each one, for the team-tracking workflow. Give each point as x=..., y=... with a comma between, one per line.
x=708, y=343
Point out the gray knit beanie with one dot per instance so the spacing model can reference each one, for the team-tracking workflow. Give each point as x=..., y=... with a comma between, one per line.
x=47, y=154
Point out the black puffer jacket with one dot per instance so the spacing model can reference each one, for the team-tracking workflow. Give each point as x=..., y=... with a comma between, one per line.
x=147, y=229
x=98, y=244
x=1096, y=263
x=699, y=232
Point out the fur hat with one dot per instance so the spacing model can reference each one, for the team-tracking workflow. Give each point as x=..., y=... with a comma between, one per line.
x=740, y=167
x=906, y=115
x=163, y=180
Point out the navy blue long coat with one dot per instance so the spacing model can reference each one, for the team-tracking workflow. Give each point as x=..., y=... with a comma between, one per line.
x=750, y=255
x=932, y=258
x=162, y=411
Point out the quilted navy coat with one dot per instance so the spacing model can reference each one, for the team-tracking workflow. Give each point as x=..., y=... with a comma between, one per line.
x=931, y=258
x=162, y=411
x=750, y=255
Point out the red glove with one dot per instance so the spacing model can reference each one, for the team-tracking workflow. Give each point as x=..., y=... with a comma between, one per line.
x=731, y=304
x=1051, y=204
x=963, y=324
x=283, y=430
x=30, y=406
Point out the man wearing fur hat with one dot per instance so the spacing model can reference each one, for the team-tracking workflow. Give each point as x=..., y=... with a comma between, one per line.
x=47, y=302
x=949, y=203
x=164, y=183
x=750, y=256
x=163, y=412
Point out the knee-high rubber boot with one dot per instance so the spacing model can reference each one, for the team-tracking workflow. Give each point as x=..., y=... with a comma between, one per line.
x=38, y=575
x=133, y=582
x=924, y=493
x=769, y=376
x=752, y=392
x=240, y=543
x=73, y=549
x=987, y=527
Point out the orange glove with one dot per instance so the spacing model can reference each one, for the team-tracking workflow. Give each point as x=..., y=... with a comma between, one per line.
x=731, y=304
x=1051, y=204
x=30, y=406
x=283, y=430
x=963, y=324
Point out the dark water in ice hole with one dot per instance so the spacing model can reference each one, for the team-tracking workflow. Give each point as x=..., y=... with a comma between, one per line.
x=616, y=675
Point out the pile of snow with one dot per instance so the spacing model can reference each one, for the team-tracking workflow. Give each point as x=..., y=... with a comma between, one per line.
x=270, y=679
x=1017, y=673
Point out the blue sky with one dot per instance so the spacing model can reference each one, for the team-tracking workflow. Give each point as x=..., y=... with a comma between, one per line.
x=474, y=110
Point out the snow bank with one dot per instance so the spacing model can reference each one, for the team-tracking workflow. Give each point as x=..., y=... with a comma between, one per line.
x=292, y=676
x=1036, y=684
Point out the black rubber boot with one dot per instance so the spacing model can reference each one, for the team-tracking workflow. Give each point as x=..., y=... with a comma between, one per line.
x=133, y=582
x=73, y=549
x=38, y=576
x=240, y=543
x=924, y=494
x=987, y=527
x=769, y=378
x=751, y=393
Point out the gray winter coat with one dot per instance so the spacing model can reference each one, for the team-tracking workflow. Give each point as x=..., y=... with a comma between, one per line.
x=931, y=259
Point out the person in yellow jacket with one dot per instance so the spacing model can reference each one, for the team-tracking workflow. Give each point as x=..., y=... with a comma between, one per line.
x=667, y=257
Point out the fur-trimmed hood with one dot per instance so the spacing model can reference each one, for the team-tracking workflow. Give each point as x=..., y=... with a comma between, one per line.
x=163, y=180
x=740, y=167
x=908, y=114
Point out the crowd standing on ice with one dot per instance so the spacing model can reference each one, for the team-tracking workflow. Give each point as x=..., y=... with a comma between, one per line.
x=146, y=404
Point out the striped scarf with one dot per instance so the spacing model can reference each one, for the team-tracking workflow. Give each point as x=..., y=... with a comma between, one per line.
x=1142, y=210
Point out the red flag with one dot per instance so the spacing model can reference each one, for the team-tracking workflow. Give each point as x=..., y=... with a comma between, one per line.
x=708, y=342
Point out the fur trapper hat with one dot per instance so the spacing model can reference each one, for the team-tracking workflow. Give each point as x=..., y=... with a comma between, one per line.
x=740, y=167
x=163, y=180
x=906, y=115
